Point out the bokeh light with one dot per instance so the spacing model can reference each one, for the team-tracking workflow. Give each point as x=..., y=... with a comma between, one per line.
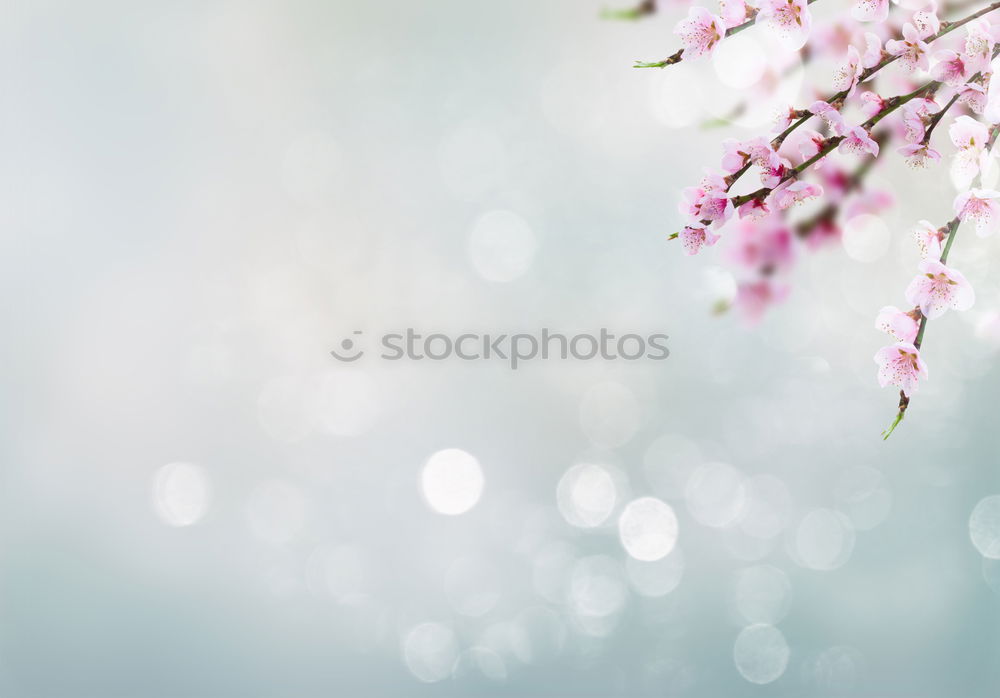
x=823, y=540
x=451, y=481
x=984, y=526
x=430, y=651
x=761, y=653
x=586, y=495
x=834, y=670
x=181, y=494
x=740, y=61
x=715, y=494
x=647, y=529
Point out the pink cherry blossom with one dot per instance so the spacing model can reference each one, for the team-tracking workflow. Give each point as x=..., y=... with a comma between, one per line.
x=900, y=365
x=911, y=49
x=737, y=154
x=967, y=133
x=790, y=20
x=774, y=174
x=734, y=155
x=708, y=201
x=873, y=51
x=734, y=12
x=872, y=104
x=979, y=43
x=913, y=115
x=755, y=209
x=926, y=23
x=753, y=298
x=830, y=115
x=919, y=155
x=809, y=143
x=846, y=77
x=700, y=32
x=788, y=196
x=970, y=138
x=870, y=10
x=974, y=95
x=949, y=68
x=929, y=239
x=784, y=119
x=760, y=153
x=901, y=326
x=858, y=141
x=693, y=238
x=937, y=288
x=981, y=206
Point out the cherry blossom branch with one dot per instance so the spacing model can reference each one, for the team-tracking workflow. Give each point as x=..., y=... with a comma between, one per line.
x=805, y=228
x=904, y=400
x=936, y=119
x=952, y=26
x=765, y=234
x=951, y=229
x=832, y=142
x=946, y=27
x=678, y=56
x=891, y=105
x=838, y=98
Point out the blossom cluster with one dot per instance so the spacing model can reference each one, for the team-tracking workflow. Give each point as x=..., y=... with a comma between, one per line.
x=799, y=182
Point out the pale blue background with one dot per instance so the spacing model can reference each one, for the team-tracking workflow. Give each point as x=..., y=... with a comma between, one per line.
x=162, y=264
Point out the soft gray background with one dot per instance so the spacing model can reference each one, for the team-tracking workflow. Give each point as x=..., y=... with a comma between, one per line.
x=200, y=199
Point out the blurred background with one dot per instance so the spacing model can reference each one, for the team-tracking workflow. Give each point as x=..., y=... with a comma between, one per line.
x=202, y=199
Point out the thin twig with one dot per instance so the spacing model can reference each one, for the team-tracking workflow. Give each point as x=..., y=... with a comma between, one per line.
x=952, y=230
